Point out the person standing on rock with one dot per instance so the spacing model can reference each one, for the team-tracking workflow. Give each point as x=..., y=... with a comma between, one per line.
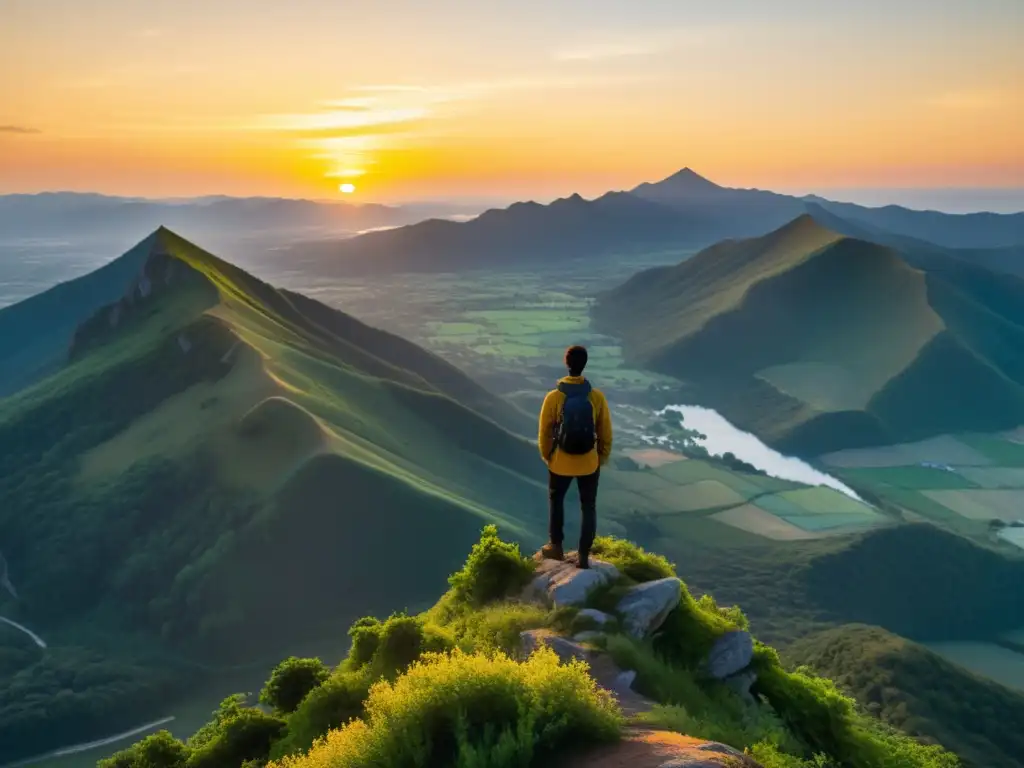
x=575, y=441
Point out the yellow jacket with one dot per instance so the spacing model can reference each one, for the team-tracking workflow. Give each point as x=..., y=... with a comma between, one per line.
x=570, y=465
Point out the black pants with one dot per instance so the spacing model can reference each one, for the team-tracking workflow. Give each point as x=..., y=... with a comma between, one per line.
x=558, y=485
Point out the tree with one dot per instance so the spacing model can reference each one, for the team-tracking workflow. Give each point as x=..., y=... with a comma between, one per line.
x=158, y=750
x=291, y=681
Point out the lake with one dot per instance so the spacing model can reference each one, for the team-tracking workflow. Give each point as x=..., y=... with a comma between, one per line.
x=724, y=437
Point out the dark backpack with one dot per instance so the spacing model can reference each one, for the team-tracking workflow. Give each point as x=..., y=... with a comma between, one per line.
x=574, y=433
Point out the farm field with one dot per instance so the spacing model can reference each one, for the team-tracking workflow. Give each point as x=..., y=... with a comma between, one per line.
x=971, y=484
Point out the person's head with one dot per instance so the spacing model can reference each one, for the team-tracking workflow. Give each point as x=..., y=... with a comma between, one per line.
x=576, y=360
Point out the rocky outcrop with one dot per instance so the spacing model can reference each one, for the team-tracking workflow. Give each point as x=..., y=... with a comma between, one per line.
x=644, y=607
x=731, y=653
x=561, y=583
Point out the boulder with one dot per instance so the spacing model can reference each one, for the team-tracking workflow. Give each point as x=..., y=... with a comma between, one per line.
x=587, y=636
x=742, y=682
x=624, y=681
x=731, y=653
x=561, y=583
x=598, y=617
x=644, y=607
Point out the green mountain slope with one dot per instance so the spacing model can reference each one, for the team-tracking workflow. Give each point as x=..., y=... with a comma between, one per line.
x=215, y=464
x=919, y=692
x=817, y=341
x=35, y=333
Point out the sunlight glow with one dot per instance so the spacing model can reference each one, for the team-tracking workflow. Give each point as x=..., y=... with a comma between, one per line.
x=347, y=188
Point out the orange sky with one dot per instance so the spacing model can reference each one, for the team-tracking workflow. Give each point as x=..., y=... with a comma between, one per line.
x=407, y=99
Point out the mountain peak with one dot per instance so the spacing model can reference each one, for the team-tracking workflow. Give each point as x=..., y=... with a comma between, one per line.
x=690, y=178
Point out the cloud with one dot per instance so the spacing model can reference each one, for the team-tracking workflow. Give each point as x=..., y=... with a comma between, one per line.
x=19, y=129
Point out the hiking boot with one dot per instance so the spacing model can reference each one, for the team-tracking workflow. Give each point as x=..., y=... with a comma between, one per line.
x=583, y=560
x=552, y=552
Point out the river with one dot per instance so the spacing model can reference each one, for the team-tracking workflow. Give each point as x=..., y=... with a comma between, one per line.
x=724, y=437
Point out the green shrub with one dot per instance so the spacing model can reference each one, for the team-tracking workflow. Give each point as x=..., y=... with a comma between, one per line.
x=158, y=750
x=494, y=569
x=472, y=711
x=245, y=736
x=365, y=634
x=631, y=560
x=496, y=627
x=733, y=614
x=387, y=647
x=769, y=756
x=329, y=705
x=290, y=681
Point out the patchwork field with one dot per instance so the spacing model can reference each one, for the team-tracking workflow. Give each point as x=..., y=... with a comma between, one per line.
x=765, y=507
x=944, y=449
x=752, y=518
x=969, y=483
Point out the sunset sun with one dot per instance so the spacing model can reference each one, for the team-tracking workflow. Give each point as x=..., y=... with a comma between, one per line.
x=347, y=188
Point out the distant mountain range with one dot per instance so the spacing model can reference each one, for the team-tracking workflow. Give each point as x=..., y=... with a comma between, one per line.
x=816, y=340
x=679, y=214
x=83, y=214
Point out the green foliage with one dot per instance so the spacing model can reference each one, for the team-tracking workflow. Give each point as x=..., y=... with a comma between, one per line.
x=365, y=635
x=688, y=632
x=385, y=648
x=494, y=569
x=631, y=560
x=71, y=692
x=472, y=711
x=291, y=681
x=769, y=756
x=246, y=736
x=828, y=722
x=732, y=614
x=695, y=707
x=330, y=705
x=158, y=750
x=911, y=688
x=496, y=627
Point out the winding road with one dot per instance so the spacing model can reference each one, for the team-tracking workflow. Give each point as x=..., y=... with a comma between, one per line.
x=5, y=582
x=65, y=751
x=35, y=638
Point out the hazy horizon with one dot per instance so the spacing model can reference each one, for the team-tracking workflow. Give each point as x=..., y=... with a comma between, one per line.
x=944, y=199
